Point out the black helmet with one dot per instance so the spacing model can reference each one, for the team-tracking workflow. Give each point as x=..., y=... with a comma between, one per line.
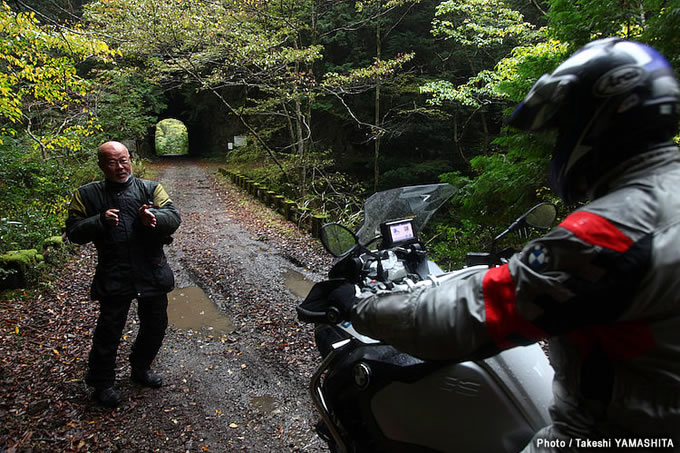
x=611, y=99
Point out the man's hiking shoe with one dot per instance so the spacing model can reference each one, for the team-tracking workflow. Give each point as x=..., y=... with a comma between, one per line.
x=147, y=378
x=109, y=396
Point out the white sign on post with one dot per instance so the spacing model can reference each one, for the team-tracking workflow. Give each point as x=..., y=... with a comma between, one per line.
x=240, y=140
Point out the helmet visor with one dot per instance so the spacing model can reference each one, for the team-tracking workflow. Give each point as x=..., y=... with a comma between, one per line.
x=538, y=110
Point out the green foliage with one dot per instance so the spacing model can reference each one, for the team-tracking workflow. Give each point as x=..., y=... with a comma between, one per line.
x=331, y=193
x=479, y=23
x=662, y=30
x=172, y=138
x=336, y=195
x=212, y=43
x=379, y=70
x=449, y=243
x=578, y=22
x=650, y=21
x=129, y=103
x=425, y=172
x=46, y=124
x=35, y=194
x=41, y=92
x=517, y=73
x=504, y=184
x=501, y=185
x=477, y=91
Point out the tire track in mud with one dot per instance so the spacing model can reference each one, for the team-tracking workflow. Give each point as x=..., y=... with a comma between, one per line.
x=245, y=390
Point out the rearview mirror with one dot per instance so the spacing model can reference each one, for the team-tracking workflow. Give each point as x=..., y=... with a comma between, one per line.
x=338, y=239
x=541, y=216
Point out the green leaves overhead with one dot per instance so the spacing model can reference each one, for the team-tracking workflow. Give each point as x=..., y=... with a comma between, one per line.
x=41, y=92
x=218, y=42
x=478, y=23
x=651, y=21
x=356, y=79
x=488, y=25
x=128, y=104
x=477, y=91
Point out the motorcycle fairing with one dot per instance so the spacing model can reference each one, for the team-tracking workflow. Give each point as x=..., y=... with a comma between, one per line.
x=476, y=410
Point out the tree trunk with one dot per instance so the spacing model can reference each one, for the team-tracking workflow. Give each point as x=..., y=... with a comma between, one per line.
x=377, y=130
x=485, y=130
x=300, y=146
x=456, y=139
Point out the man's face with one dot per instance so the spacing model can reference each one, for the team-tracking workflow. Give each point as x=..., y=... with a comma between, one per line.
x=115, y=163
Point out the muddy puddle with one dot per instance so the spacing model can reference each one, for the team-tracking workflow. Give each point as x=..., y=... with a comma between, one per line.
x=264, y=403
x=297, y=283
x=191, y=308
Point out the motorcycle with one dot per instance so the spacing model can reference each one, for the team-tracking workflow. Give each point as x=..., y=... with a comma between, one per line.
x=374, y=398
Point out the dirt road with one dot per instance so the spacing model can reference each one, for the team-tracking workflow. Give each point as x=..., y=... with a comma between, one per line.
x=244, y=368
x=235, y=362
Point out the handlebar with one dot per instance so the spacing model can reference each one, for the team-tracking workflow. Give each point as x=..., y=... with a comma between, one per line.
x=316, y=308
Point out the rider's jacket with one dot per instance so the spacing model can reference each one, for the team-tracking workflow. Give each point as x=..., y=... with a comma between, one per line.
x=603, y=286
x=131, y=261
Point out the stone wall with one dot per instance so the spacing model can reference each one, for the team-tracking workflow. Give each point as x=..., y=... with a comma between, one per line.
x=303, y=217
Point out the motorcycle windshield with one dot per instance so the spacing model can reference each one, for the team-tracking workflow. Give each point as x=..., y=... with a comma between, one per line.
x=416, y=202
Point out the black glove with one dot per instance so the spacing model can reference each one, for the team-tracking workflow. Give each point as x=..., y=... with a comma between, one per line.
x=341, y=301
x=328, y=302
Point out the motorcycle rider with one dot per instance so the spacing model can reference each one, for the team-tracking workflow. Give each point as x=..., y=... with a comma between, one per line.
x=604, y=285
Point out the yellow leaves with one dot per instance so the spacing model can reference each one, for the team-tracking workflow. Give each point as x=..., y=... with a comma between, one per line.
x=378, y=70
x=507, y=67
x=31, y=69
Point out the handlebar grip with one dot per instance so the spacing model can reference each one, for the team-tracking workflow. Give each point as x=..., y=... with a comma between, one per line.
x=316, y=308
x=312, y=317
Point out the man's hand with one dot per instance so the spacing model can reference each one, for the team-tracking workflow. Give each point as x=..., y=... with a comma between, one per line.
x=146, y=217
x=111, y=217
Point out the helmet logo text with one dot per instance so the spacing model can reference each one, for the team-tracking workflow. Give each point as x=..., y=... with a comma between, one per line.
x=618, y=80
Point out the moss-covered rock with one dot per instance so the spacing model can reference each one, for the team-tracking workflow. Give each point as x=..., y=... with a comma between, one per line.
x=172, y=138
x=54, y=242
x=14, y=266
x=21, y=258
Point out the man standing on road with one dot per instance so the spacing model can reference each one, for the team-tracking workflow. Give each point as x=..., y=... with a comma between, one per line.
x=129, y=220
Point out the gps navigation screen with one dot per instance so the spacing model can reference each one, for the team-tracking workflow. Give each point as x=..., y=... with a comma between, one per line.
x=402, y=231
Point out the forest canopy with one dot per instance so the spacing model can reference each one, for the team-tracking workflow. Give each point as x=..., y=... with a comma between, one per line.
x=338, y=99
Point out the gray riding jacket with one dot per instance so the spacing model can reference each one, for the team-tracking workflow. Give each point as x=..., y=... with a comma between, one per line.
x=603, y=286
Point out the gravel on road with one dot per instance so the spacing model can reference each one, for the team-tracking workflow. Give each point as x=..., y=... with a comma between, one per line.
x=235, y=374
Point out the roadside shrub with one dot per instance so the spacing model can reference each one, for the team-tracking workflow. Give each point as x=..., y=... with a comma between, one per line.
x=35, y=196
x=36, y=192
x=325, y=191
x=414, y=173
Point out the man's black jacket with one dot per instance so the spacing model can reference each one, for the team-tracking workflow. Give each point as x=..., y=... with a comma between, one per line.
x=131, y=262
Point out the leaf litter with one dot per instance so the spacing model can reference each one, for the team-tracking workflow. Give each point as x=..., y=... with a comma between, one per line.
x=236, y=250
